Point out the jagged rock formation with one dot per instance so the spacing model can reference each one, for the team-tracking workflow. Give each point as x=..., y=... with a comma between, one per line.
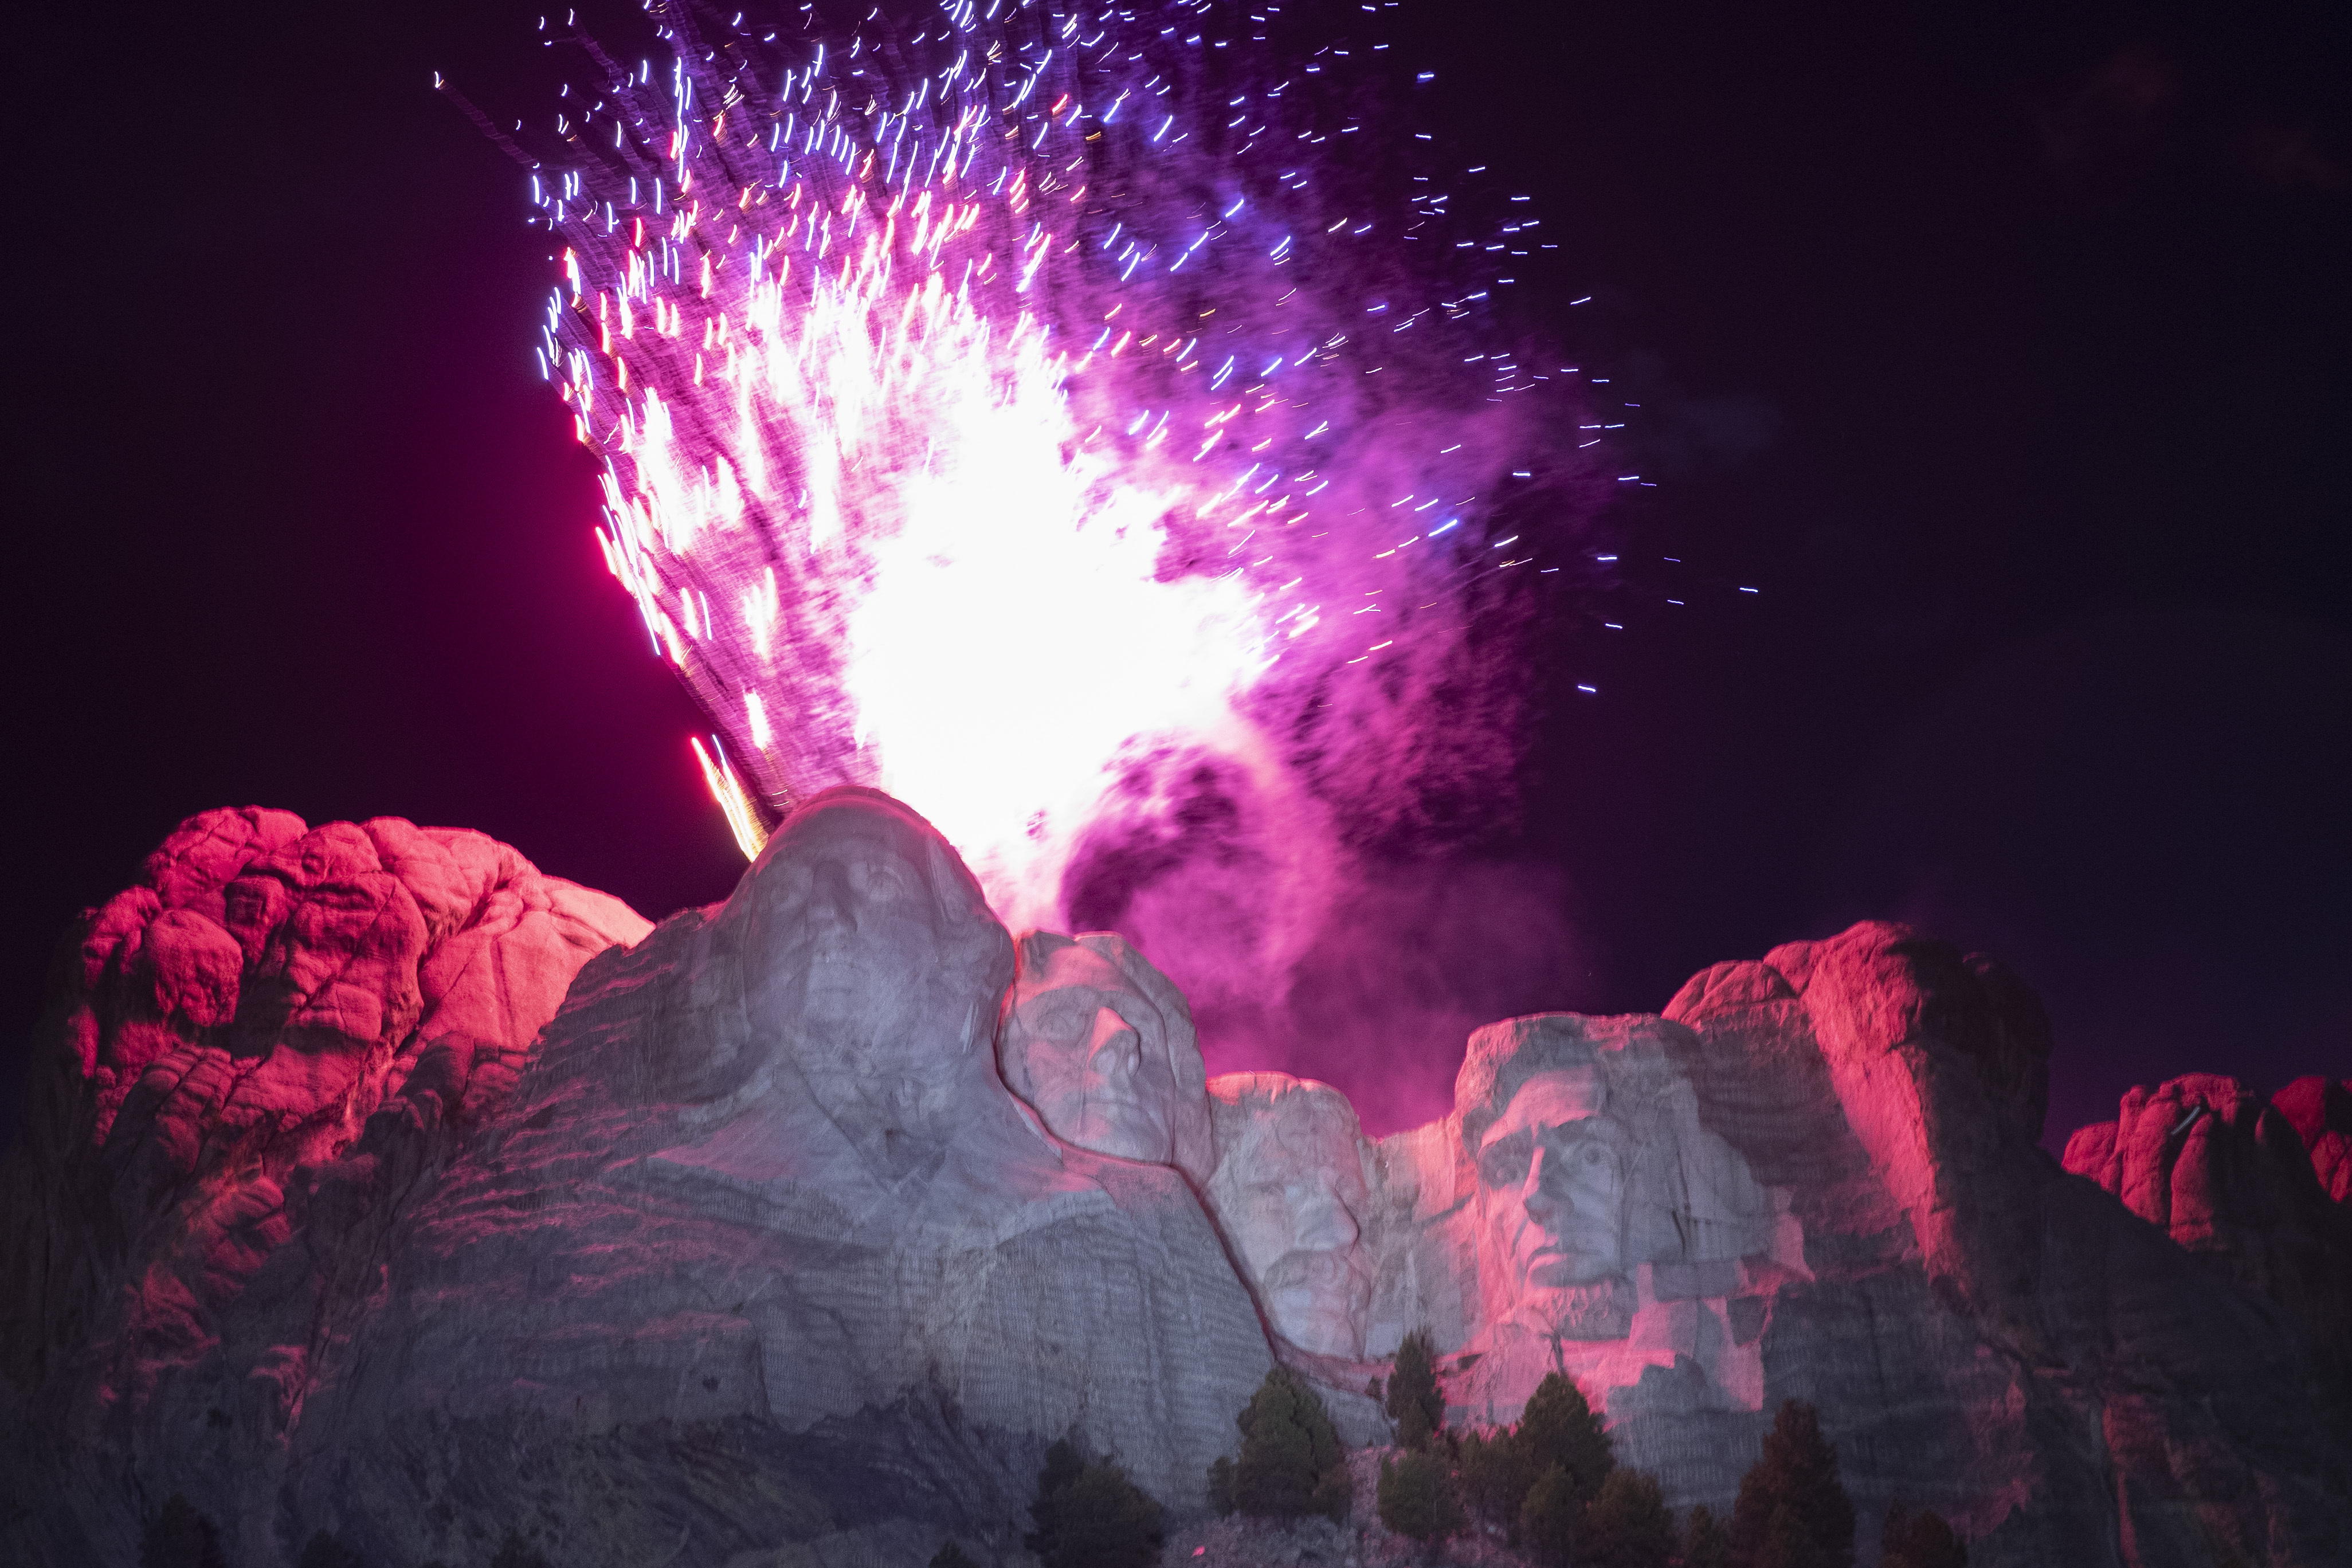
x=251, y=1052
x=2229, y=1176
x=2320, y=1111
x=328, y=1217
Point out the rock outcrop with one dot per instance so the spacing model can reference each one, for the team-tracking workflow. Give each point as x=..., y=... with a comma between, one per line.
x=2320, y=1111
x=253, y=1054
x=806, y=1222
x=2229, y=1176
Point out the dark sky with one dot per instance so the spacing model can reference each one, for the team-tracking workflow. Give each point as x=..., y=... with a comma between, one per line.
x=2010, y=353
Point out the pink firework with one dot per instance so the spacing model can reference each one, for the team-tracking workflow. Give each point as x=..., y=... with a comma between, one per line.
x=994, y=401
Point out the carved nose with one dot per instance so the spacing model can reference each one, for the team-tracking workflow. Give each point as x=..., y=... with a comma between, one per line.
x=1539, y=1196
x=1324, y=1224
x=829, y=897
x=1116, y=1049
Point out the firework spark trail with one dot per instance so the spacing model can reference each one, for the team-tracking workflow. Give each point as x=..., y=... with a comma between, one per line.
x=988, y=398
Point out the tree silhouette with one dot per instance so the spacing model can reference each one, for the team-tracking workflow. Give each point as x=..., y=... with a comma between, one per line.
x=1417, y=1497
x=1627, y=1525
x=1792, y=1512
x=1292, y=1463
x=1414, y=1400
x=1704, y=1543
x=1921, y=1539
x=1090, y=1515
x=1551, y=1517
x=1558, y=1428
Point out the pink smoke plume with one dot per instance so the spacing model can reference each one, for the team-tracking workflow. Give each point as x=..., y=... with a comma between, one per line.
x=1093, y=424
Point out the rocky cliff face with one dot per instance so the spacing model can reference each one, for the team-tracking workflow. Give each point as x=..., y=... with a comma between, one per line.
x=377, y=1183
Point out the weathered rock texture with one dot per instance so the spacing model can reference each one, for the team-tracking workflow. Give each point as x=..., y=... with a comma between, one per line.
x=253, y=1051
x=2320, y=1111
x=2229, y=1176
x=328, y=1217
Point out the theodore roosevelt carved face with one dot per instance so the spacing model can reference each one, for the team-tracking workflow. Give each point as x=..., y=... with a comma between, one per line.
x=1289, y=1195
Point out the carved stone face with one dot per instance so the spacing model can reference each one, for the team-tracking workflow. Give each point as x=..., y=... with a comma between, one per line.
x=1289, y=1192
x=871, y=967
x=1102, y=1045
x=1551, y=1194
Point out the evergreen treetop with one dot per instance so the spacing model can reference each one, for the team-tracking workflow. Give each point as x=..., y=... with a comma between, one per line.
x=1627, y=1525
x=1703, y=1544
x=1292, y=1463
x=1417, y=1497
x=1792, y=1512
x=1922, y=1540
x=1558, y=1428
x=1090, y=1515
x=1414, y=1400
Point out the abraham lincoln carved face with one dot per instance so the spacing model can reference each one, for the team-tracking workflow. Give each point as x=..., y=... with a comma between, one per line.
x=1551, y=1166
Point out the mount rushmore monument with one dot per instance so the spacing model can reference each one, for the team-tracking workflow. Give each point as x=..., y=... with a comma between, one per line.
x=374, y=1182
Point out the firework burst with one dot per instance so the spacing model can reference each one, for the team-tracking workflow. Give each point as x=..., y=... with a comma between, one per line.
x=991, y=398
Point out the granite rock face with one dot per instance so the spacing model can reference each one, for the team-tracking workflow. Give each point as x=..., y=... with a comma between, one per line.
x=2320, y=1111
x=2229, y=1176
x=757, y=1260
x=806, y=1221
x=248, y=1053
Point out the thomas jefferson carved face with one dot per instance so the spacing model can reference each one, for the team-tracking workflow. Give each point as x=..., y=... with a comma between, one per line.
x=1101, y=1045
x=1551, y=1194
x=1288, y=1192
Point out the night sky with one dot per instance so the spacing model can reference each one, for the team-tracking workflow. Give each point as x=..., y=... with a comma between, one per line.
x=2009, y=354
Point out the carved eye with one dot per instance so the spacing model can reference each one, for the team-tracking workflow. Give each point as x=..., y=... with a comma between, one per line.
x=1503, y=1163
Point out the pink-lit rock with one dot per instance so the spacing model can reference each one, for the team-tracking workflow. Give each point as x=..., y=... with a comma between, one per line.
x=1576, y=1215
x=328, y=1217
x=245, y=1031
x=2228, y=1175
x=778, y=1193
x=2320, y=1111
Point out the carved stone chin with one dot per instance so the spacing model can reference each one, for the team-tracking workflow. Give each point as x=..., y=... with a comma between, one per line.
x=1596, y=1310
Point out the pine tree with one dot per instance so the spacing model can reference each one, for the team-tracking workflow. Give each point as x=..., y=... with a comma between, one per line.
x=950, y=1555
x=323, y=1551
x=1221, y=1501
x=1417, y=1497
x=1786, y=1544
x=179, y=1537
x=1703, y=1545
x=1922, y=1540
x=1292, y=1463
x=1495, y=1473
x=1551, y=1517
x=1558, y=1428
x=1792, y=1512
x=1627, y=1525
x=1062, y=1467
x=1106, y=1520
x=1414, y=1400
